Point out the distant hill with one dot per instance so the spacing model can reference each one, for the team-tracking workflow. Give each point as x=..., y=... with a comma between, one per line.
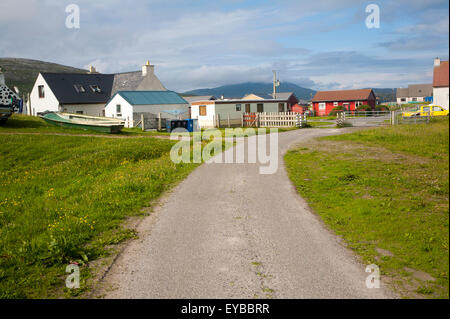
x=241, y=89
x=23, y=72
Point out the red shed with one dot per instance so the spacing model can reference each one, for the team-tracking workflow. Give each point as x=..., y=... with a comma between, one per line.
x=325, y=101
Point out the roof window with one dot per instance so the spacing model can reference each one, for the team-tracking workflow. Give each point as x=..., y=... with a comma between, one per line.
x=79, y=88
x=95, y=89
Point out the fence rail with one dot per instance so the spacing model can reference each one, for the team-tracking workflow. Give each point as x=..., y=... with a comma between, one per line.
x=274, y=119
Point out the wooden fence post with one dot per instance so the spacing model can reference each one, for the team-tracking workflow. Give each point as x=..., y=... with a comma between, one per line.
x=229, y=124
x=242, y=119
x=159, y=122
x=142, y=122
x=218, y=120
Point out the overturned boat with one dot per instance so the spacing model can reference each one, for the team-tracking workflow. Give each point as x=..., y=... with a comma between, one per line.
x=85, y=122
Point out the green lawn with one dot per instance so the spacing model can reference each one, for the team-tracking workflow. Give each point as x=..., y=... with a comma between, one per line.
x=64, y=198
x=386, y=192
x=31, y=124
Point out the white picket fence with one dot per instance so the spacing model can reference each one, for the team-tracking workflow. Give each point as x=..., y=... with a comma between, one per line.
x=277, y=119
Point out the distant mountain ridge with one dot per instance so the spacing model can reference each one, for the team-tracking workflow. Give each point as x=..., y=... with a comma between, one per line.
x=23, y=72
x=241, y=89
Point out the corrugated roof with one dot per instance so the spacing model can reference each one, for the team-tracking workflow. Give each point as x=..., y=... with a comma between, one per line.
x=199, y=98
x=62, y=85
x=281, y=96
x=152, y=97
x=342, y=95
x=440, y=75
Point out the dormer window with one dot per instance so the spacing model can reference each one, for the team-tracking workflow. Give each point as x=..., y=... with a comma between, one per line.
x=95, y=89
x=79, y=88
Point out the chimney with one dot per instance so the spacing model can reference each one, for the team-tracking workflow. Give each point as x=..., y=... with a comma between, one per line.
x=92, y=70
x=437, y=62
x=148, y=69
x=2, y=78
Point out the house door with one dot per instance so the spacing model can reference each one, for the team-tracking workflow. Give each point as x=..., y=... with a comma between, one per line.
x=247, y=108
x=346, y=106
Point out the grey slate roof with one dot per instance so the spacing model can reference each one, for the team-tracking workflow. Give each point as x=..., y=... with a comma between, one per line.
x=402, y=92
x=62, y=85
x=415, y=90
x=134, y=81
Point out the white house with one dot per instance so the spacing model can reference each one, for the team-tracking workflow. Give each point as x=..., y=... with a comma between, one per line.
x=131, y=105
x=440, y=83
x=209, y=111
x=414, y=93
x=87, y=93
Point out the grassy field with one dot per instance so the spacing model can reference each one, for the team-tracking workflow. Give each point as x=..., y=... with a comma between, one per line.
x=386, y=192
x=64, y=198
x=31, y=124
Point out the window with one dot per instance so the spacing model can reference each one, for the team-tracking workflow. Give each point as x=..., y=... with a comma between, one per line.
x=79, y=112
x=437, y=108
x=322, y=106
x=247, y=108
x=238, y=107
x=403, y=99
x=358, y=103
x=95, y=88
x=260, y=108
x=280, y=107
x=336, y=104
x=41, y=91
x=79, y=88
x=414, y=99
x=119, y=110
x=202, y=110
x=426, y=109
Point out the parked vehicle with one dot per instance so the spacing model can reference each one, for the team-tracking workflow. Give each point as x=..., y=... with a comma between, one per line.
x=426, y=110
x=85, y=122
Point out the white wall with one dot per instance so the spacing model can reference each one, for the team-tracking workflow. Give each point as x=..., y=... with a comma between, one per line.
x=48, y=103
x=440, y=97
x=126, y=109
x=87, y=109
x=409, y=99
x=204, y=121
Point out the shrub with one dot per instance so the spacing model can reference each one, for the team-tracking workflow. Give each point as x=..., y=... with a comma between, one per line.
x=336, y=110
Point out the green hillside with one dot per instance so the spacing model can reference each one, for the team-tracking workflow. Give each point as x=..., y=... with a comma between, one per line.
x=23, y=72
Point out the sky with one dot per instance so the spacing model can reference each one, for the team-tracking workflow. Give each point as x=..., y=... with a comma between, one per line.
x=319, y=44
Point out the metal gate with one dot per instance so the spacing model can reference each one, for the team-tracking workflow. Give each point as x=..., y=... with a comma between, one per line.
x=365, y=118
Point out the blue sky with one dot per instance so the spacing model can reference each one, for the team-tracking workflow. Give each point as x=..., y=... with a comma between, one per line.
x=318, y=44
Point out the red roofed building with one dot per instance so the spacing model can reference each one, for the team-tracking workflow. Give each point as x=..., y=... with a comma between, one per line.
x=440, y=83
x=325, y=101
